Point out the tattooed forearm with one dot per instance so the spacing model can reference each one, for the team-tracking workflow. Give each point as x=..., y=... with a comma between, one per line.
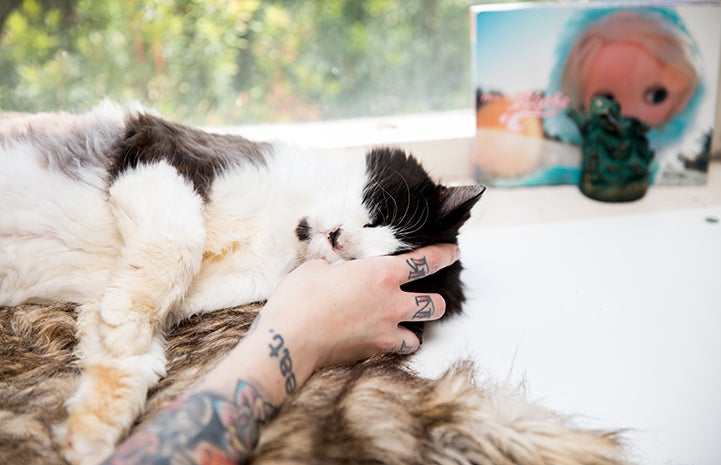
x=419, y=268
x=203, y=427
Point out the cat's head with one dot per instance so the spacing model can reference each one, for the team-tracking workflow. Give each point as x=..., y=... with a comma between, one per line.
x=398, y=208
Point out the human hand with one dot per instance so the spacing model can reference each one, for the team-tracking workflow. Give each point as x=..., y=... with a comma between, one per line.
x=325, y=314
x=331, y=314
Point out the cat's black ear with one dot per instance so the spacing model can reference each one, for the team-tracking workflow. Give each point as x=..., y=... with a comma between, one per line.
x=460, y=199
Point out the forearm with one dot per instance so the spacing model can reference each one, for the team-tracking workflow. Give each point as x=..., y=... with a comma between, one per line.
x=202, y=427
x=219, y=420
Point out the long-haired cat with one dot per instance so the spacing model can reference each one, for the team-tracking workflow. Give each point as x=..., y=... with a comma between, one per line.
x=145, y=222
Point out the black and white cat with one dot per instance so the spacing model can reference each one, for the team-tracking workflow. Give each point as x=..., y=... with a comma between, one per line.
x=145, y=222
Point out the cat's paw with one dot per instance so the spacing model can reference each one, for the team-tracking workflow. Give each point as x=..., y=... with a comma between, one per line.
x=126, y=325
x=102, y=409
x=83, y=440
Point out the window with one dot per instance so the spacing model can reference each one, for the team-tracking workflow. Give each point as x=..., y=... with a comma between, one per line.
x=230, y=62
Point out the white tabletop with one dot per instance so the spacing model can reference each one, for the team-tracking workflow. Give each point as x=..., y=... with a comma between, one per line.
x=612, y=312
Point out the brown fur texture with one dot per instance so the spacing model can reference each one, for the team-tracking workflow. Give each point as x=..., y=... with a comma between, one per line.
x=377, y=411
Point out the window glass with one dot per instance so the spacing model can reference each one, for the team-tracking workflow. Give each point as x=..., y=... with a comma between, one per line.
x=237, y=61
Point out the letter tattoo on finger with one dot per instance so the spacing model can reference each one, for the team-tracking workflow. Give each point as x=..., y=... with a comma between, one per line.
x=405, y=348
x=426, y=309
x=419, y=268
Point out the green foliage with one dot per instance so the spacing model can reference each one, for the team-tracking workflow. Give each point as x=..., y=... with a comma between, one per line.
x=237, y=61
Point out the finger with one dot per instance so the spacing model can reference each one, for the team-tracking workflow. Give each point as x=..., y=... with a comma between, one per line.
x=425, y=307
x=409, y=343
x=426, y=261
x=400, y=341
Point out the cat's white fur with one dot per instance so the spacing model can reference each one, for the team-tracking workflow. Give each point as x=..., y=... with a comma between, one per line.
x=84, y=224
x=146, y=250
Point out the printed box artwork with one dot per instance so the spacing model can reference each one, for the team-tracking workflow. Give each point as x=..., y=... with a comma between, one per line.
x=554, y=81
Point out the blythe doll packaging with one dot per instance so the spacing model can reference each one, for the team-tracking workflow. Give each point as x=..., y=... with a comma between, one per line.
x=628, y=88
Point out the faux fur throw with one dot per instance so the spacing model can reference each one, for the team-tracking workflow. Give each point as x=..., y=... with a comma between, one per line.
x=377, y=411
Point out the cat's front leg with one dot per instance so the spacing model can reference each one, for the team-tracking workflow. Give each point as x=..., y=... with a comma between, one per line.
x=161, y=224
x=111, y=392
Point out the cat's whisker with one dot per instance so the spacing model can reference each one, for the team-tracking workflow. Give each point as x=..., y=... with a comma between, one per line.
x=421, y=222
x=406, y=216
x=386, y=220
x=408, y=193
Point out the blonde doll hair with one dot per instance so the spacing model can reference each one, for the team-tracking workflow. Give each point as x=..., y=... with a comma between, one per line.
x=649, y=30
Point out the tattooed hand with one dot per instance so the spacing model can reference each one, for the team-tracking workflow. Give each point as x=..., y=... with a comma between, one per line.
x=353, y=308
x=319, y=315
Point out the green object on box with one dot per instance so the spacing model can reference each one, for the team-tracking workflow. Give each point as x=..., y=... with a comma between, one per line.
x=616, y=153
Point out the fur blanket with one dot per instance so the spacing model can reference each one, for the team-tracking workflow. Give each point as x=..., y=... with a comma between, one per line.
x=377, y=411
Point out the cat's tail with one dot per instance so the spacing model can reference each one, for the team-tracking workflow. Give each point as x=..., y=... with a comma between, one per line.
x=380, y=412
x=497, y=424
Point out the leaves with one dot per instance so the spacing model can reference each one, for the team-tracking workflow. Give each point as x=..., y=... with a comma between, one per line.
x=228, y=62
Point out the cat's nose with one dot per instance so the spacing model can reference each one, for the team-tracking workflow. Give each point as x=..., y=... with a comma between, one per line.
x=333, y=237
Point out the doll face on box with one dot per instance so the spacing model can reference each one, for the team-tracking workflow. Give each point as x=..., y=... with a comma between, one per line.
x=644, y=87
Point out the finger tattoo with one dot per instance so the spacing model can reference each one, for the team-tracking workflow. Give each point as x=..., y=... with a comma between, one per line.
x=419, y=268
x=405, y=348
x=426, y=308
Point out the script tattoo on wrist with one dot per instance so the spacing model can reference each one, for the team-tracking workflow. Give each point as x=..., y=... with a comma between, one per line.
x=426, y=309
x=419, y=268
x=203, y=427
x=278, y=350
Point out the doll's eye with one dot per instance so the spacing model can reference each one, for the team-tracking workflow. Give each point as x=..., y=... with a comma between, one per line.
x=655, y=95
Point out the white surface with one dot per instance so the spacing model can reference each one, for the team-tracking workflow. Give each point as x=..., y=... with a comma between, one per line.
x=614, y=317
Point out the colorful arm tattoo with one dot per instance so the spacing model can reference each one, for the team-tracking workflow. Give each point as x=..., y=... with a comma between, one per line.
x=202, y=428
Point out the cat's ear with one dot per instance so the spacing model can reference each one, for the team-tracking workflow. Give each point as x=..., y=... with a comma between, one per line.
x=460, y=199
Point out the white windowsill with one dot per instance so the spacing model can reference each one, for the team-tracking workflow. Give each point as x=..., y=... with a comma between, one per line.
x=443, y=141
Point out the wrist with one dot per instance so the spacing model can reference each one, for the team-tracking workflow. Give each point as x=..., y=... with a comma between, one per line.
x=274, y=359
x=288, y=355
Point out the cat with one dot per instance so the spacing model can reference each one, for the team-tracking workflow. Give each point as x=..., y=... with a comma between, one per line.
x=145, y=222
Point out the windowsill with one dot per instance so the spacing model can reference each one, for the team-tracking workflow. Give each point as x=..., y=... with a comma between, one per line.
x=443, y=141
x=503, y=207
